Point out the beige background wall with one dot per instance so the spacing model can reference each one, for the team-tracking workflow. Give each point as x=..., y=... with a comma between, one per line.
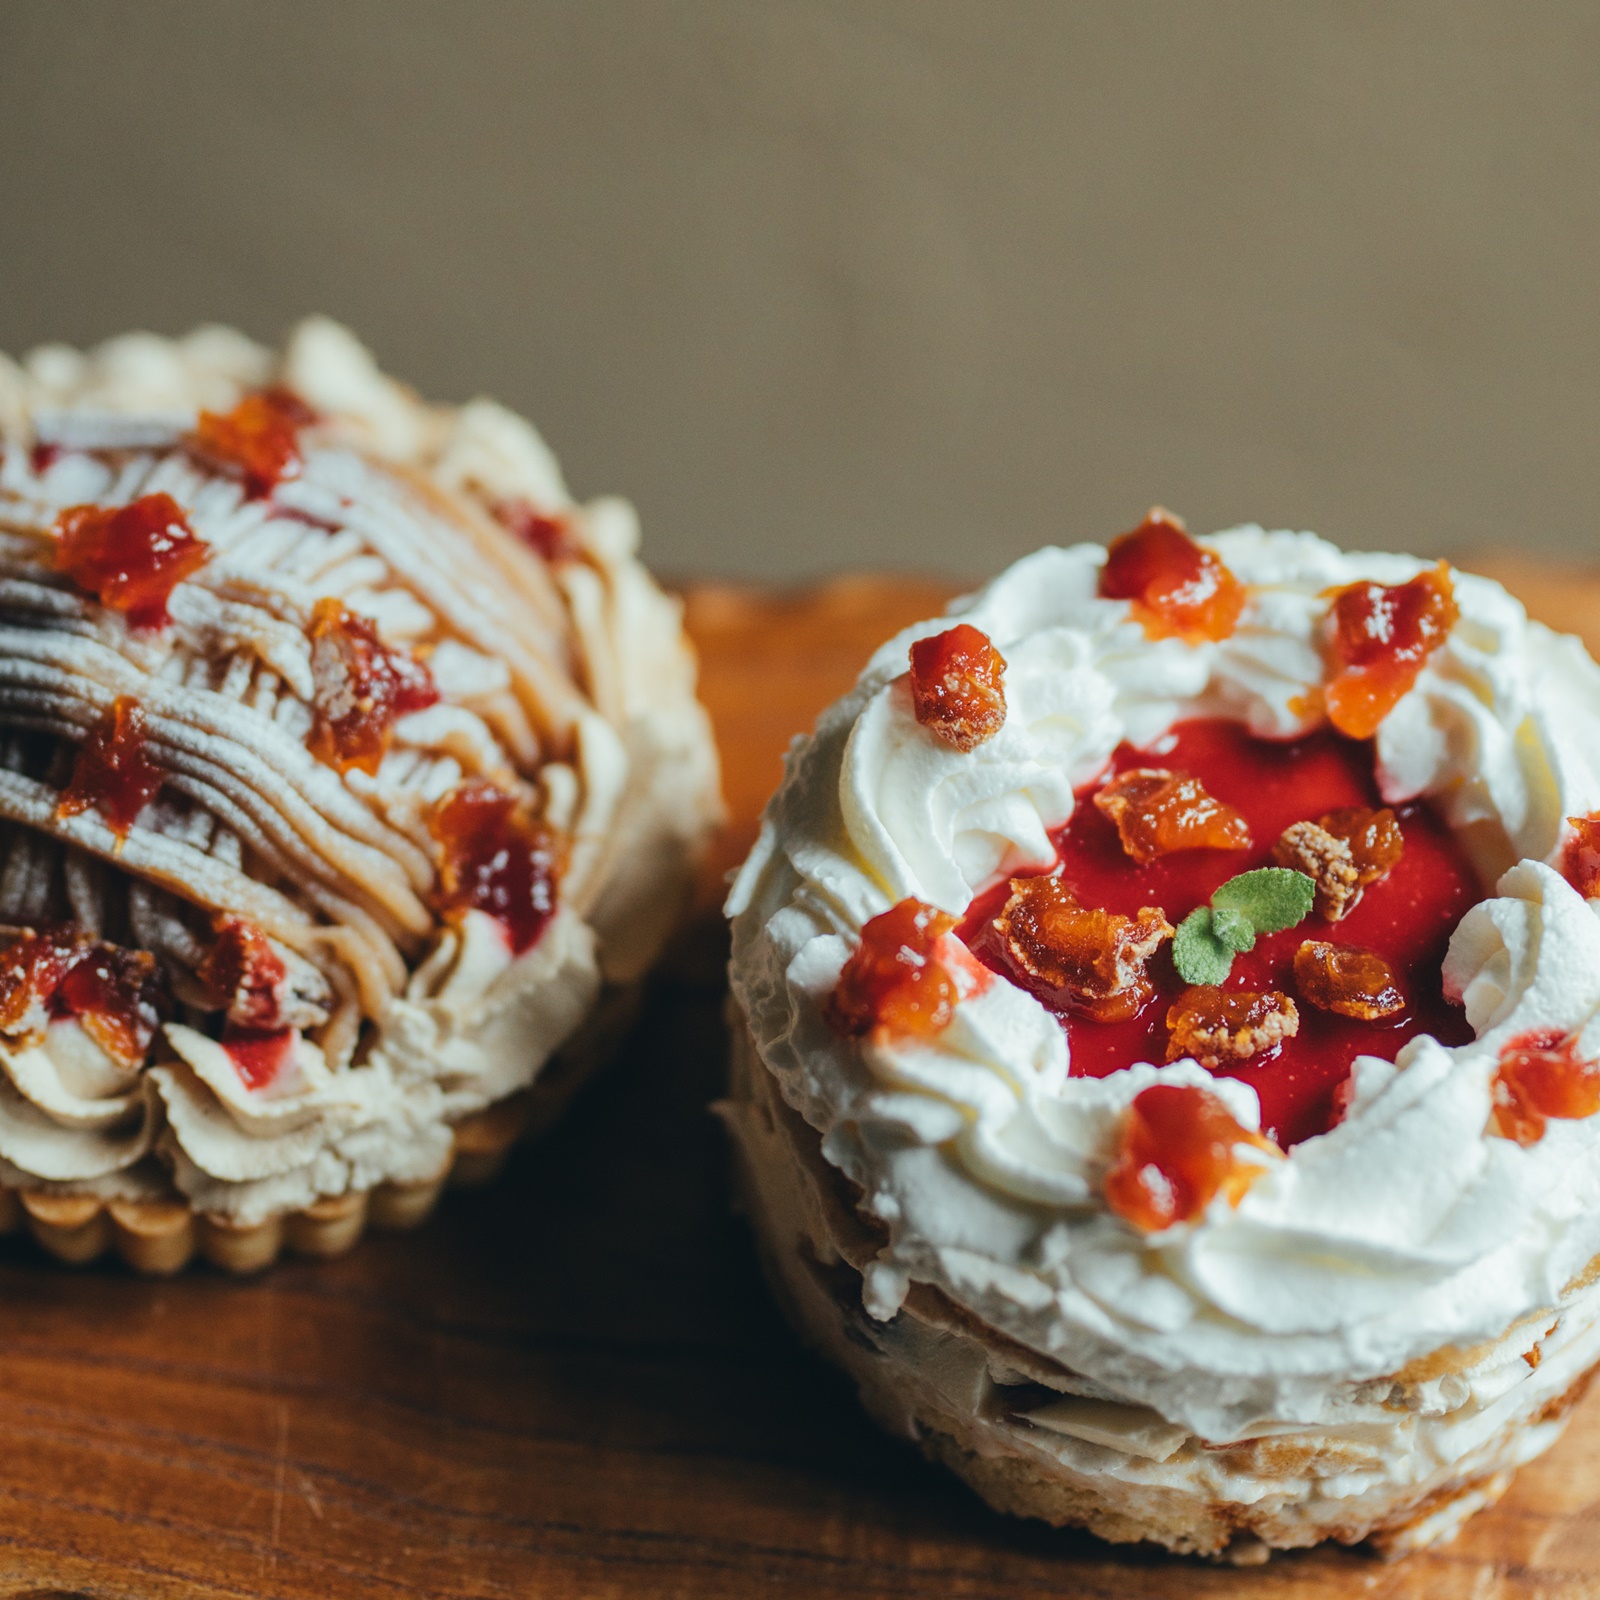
x=891, y=282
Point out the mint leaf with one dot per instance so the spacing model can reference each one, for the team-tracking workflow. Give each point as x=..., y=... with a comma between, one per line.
x=1233, y=928
x=1198, y=954
x=1270, y=897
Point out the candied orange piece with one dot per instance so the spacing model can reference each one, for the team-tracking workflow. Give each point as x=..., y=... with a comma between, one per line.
x=1541, y=1075
x=1382, y=638
x=260, y=437
x=1580, y=861
x=1217, y=1027
x=112, y=774
x=1157, y=812
x=1343, y=853
x=1355, y=983
x=892, y=980
x=958, y=686
x=1178, y=588
x=497, y=857
x=1096, y=959
x=115, y=994
x=362, y=688
x=1179, y=1148
x=130, y=557
x=243, y=968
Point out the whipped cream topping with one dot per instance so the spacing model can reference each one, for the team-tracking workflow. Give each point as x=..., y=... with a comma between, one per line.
x=566, y=681
x=1405, y=1228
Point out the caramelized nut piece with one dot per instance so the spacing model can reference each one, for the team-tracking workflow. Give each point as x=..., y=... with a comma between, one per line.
x=1217, y=1027
x=958, y=686
x=1179, y=1148
x=1343, y=853
x=1177, y=587
x=1355, y=983
x=1382, y=638
x=892, y=980
x=1541, y=1075
x=1095, y=959
x=1309, y=848
x=1157, y=812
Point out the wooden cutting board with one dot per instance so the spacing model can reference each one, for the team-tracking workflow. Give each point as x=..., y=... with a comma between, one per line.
x=573, y=1384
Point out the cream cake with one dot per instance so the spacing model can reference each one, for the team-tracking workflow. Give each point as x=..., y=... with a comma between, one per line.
x=1164, y=998
x=349, y=771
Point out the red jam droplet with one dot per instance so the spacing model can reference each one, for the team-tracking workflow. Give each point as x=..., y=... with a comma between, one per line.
x=112, y=774
x=1406, y=918
x=130, y=557
x=1382, y=638
x=115, y=994
x=259, y=438
x=1178, y=1150
x=958, y=686
x=892, y=980
x=362, y=688
x=548, y=535
x=1178, y=588
x=31, y=970
x=1541, y=1075
x=495, y=857
x=1157, y=812
x=260, y=1055
x=243, y=969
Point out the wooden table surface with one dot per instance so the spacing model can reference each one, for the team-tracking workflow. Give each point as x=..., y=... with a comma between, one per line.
x=573, y=1384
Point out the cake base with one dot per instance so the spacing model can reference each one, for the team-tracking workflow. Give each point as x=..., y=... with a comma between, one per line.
x=927, y=1376
x=162, y=1236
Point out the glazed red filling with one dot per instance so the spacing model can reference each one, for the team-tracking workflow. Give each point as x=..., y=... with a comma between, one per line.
x=1407, y=918
x=259, y=1055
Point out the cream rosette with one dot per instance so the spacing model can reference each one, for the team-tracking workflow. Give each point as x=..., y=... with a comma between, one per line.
x=450, y=552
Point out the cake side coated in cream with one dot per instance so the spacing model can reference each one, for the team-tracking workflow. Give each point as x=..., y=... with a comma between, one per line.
x=1038, y=1439
x=1408, y=1227
x=420, y=545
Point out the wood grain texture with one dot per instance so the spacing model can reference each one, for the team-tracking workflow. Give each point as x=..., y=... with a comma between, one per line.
x=573, y=1384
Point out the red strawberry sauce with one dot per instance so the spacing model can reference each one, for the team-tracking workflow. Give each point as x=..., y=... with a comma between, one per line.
x=1407, y=918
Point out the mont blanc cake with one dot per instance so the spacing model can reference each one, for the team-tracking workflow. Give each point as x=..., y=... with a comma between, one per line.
x=350, y=776
x=1165, y=1075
